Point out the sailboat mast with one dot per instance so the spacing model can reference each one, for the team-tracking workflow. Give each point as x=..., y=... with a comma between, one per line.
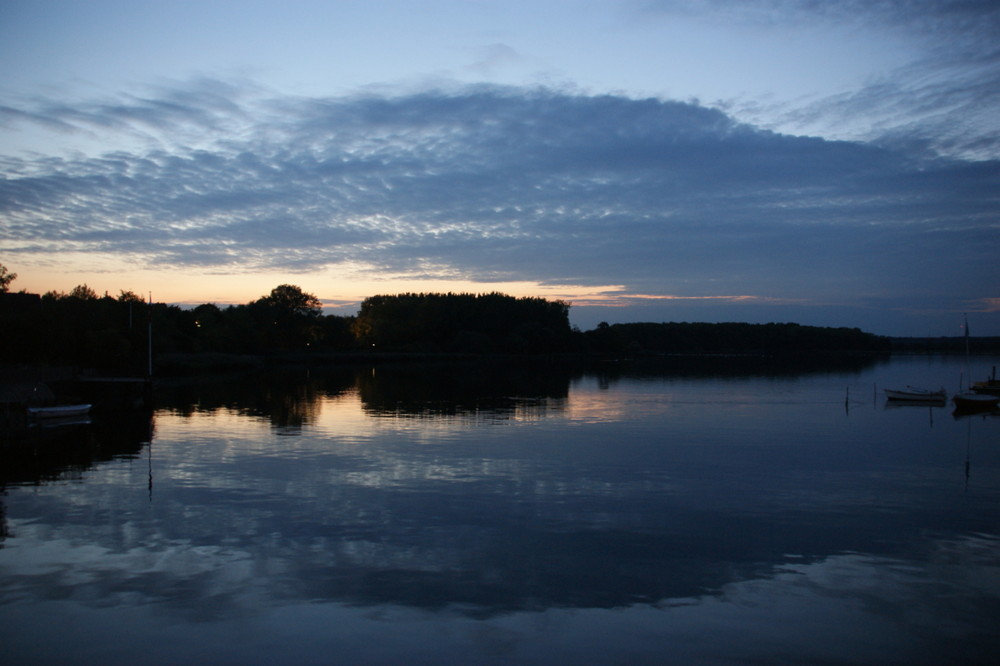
x=149, y=339
x=968, y=355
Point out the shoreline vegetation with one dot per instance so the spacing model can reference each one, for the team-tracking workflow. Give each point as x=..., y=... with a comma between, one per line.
x=116, y=335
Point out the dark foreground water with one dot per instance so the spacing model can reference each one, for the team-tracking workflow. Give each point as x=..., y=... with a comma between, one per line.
x=704, y=513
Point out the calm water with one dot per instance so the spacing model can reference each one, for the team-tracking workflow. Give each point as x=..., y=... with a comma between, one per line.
x=490, y=514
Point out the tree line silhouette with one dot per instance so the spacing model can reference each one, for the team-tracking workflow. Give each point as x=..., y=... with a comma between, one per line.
x=117, y=333
x=472, y=323
x=730, y=338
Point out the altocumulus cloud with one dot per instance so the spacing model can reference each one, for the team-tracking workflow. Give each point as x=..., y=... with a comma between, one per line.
x=663, y=198
x=942, y=100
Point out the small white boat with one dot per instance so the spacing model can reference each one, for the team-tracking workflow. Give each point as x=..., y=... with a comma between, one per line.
x=914, y=393
x=59, y=412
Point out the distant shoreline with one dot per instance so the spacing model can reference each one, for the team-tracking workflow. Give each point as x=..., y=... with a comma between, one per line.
x=187, y=363
x=983, y=345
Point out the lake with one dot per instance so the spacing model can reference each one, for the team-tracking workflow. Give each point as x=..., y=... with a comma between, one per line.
x=698, y=511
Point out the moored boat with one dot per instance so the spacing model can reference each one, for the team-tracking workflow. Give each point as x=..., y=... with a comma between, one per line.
x=59, y=412
x=989, y=386
x=976, y=401
x=970, y=400
x=915, y=394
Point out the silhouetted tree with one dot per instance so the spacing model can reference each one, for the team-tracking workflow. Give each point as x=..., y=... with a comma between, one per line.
x=287, y=318
x=83, y=292
x=463, y=322
x=130, y=297
x=6, y=277
x=291, y=300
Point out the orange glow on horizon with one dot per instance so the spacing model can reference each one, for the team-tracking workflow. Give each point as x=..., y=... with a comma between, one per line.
x=337, y=287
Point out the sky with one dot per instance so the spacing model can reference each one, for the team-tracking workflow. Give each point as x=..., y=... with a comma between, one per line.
x=825, y=163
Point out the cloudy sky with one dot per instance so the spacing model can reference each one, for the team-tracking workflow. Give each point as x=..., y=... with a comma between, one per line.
x=829, y=163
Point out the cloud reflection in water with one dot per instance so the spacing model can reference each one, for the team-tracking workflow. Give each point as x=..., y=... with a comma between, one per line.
x=523, y=523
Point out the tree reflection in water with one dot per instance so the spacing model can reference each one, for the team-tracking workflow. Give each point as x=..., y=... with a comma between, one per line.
x=670, y=505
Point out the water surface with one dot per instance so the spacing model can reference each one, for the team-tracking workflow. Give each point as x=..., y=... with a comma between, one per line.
x=691, y=512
